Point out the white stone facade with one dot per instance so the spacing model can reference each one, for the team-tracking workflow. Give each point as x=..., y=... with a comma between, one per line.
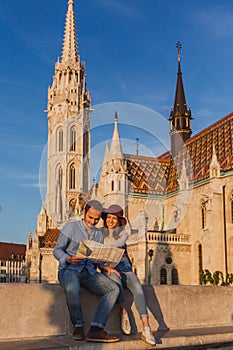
x=172, y=236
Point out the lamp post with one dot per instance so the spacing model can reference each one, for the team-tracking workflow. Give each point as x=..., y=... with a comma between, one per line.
x=150, y=254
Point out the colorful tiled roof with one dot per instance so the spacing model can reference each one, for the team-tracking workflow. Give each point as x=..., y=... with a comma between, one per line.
x=198, y=151
x=147, y=175
x=49, y=239
x=12, y=251
x=160, y=175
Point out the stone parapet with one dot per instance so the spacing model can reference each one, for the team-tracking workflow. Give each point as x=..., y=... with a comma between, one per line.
x=39, y=310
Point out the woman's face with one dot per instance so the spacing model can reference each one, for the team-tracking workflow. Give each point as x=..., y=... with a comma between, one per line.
x=111, y=221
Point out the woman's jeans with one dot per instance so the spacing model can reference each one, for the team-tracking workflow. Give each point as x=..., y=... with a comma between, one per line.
x=99, y=284
x=131, y=281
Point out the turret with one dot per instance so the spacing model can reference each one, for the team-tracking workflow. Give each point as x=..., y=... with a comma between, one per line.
x=113, y=184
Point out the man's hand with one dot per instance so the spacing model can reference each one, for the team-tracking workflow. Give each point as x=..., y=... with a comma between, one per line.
x=73, y=260
x=111, y=270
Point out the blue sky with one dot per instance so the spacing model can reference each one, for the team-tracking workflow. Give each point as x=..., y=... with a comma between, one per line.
x=129, y=47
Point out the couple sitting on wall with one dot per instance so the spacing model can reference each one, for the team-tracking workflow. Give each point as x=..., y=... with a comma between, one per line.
x=74, y=272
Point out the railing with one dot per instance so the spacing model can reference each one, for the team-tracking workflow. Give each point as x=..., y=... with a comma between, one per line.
x=167, y=237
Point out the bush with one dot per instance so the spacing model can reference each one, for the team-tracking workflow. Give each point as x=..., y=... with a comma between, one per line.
x=217, y=279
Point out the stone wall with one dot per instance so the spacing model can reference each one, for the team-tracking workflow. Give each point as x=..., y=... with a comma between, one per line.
x=39, y=310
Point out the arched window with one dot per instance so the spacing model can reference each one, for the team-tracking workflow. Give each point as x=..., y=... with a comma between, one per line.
x=85, y=143
x=174, y=276
x=72, y=177
x=60, y=178
x=203, y=215
x=112, y=185
x=200, y=267
x=177, y=123
x=163, y=276
x=60, y=140
x=70, y=77
x=119, y=186
x=73, y=139
x=232, y=208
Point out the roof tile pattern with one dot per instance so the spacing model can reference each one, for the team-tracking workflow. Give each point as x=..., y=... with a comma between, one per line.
x=49, y=239
x=198, y=151
x=147, y=175
x=160, y=175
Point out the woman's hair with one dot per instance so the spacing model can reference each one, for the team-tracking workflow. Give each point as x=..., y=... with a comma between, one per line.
x=117, y=230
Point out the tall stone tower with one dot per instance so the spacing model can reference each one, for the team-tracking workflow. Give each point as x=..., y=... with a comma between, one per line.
x=180, y=115
x=68, y=112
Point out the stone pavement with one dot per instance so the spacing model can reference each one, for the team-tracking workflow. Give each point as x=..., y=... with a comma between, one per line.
x=199, y=338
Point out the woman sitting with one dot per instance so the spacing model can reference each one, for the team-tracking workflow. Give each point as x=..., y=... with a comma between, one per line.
x=116, y=236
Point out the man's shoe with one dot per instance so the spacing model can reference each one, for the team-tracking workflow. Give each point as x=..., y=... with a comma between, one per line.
x=125, y=324
x=148, y=337
x=78, y=333
x=101, y=336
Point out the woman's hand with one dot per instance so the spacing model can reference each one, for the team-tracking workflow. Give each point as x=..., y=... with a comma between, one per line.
x=111, y=270
x=73, y=260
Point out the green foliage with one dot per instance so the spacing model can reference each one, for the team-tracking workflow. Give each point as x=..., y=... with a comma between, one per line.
x=217, y=279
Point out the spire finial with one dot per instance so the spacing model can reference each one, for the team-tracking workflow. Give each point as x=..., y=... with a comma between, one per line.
x=179, y=46
x=116, y=117
x=137, y=144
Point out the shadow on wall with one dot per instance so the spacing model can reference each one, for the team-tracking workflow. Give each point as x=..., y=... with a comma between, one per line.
x=59, y=318
x=162, y=269
x=57, y=313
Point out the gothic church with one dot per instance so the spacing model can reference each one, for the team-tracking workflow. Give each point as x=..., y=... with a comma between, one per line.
x=179, y=205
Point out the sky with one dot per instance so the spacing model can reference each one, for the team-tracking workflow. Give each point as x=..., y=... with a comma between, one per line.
x=129, y=47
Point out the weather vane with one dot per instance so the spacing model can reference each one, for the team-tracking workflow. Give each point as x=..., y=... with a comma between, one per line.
x=179, y=46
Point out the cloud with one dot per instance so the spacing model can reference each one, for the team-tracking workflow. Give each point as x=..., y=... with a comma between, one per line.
x=17, y=84
x=14, y=173
x=204, y=113
x=216, y=21
x=28, y=176
x=35, y=185
x=121, y=7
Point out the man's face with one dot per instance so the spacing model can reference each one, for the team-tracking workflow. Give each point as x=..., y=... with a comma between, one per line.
x=92, y=217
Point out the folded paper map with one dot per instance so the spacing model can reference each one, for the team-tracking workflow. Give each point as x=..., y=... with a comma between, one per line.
x=99, y=253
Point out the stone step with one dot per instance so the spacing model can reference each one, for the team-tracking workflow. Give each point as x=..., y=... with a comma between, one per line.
x=199, y=338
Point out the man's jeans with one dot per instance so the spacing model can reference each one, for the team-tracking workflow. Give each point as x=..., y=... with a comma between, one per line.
x=130, y=280
x=99, y=284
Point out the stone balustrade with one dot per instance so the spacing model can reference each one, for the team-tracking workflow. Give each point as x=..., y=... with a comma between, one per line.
x=167, y=237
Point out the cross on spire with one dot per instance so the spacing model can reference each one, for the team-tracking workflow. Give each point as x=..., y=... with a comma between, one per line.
x=179, y=46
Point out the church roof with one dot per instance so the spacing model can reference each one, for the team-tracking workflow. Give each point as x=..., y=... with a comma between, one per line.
x=160, y=175
x=12, y=251
x=147, y=175
x=50, y=238
x=198, y=151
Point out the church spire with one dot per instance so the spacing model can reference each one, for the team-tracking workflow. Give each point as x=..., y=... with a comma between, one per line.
x=115, y=149
x=180, y=115
x=70, y=44
x=68, y=128
x=180, y=106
